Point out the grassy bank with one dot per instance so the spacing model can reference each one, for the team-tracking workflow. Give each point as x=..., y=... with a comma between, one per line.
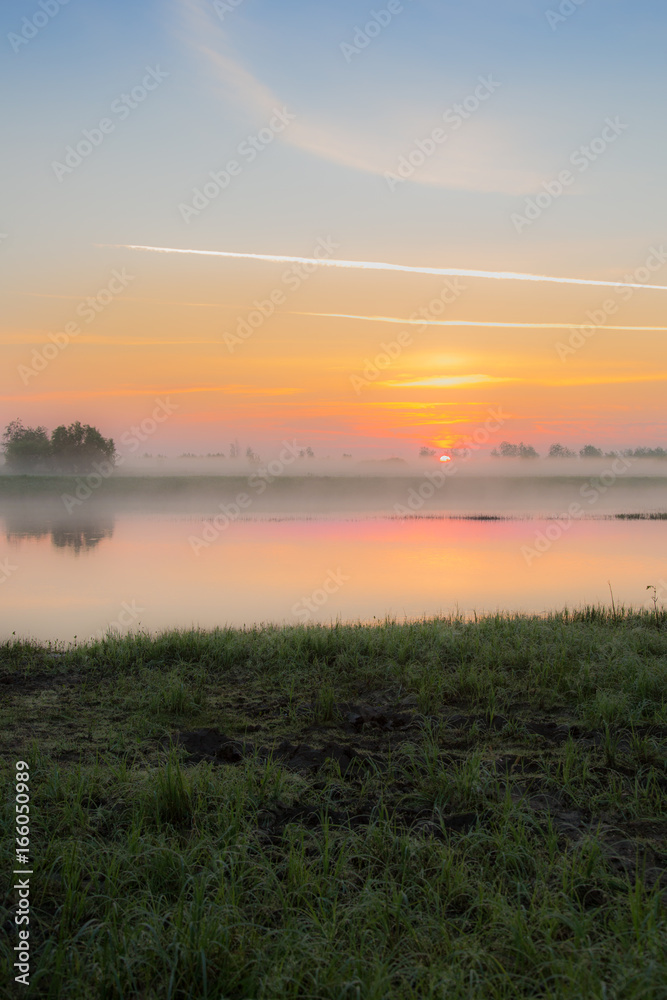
x=440, y=809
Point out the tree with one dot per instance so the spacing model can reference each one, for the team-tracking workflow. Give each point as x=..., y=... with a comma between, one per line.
x=79, y=447
x=560, y=451
x=76, y=448
x=508, y=450
x=27, y=449
x=590, y=451
x=521, y=450
x=426, y=452
x=646, y=453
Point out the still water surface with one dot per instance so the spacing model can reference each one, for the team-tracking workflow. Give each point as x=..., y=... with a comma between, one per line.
x=141, y=572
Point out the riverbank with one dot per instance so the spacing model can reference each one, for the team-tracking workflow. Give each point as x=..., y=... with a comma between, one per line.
x=441, y=808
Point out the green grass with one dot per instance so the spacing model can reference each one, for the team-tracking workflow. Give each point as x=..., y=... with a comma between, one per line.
x=444, y=809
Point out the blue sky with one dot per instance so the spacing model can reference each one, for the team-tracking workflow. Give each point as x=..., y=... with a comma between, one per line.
x=557, y=88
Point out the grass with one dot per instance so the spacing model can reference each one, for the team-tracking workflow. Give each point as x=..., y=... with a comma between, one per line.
x=444, y=809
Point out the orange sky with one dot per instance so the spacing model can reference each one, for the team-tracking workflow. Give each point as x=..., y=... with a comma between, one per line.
x=335, y=383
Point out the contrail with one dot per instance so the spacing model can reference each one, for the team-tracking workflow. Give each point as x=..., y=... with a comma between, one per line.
x=474, y=322
x=367, y=265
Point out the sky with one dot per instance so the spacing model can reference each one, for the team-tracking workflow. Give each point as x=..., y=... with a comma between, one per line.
x=504, y=136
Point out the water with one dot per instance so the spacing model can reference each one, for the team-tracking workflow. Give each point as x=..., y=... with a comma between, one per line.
x=141, y=572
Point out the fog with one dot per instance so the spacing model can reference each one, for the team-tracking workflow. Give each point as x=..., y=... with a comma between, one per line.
x=471, y=464
x=79, y=511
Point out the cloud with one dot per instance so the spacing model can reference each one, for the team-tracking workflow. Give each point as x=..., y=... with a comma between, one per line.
x=482, y=156
x=228, y=390
x=471, y=322
x=367, y=265
x=449, y=381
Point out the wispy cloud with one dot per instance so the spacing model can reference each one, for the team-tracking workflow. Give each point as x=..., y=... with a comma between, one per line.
x=470, y=322
x=366, y=265
x=601, y=380
x=453, y=381
x=228, y=390
x=437, y=381
x=482, y=157
x=129, y=298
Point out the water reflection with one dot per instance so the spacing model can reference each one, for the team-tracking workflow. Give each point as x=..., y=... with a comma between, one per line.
x=149, y=576
x=79, y=535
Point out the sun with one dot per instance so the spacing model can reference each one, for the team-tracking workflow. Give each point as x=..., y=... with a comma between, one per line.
x=445, y=458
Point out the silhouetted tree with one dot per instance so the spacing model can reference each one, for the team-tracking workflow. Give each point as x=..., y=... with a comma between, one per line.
x=79, y=447
x=646, y=453
x=521, y=450
x=76, y=448
x=426, y=452
x=27, y=449
x=560, y=451
x=590, y=451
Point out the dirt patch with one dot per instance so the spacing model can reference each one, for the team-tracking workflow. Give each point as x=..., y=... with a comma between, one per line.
x=359, y=718
x=213, y=746
x=361, y=738
x=18, y=684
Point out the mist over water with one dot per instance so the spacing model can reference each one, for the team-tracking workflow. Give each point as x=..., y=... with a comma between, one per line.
x=179, y=548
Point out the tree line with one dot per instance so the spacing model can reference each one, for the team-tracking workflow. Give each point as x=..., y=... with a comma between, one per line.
x=74, y=449
x=508, y=450
x=79, y=448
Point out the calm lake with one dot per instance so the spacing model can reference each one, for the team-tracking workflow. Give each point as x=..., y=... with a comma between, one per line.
x=152, y=572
